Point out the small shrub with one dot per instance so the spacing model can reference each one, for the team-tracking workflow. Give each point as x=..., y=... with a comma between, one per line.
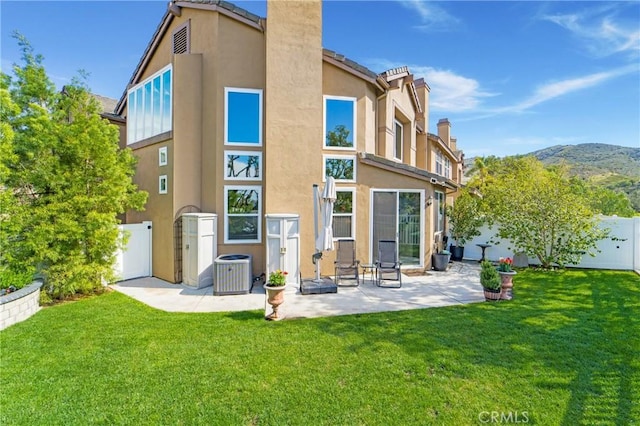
x=489, y=277
x=18, y=280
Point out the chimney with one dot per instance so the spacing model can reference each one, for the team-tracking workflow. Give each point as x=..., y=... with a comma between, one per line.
x=444, y=131
x=454, y=144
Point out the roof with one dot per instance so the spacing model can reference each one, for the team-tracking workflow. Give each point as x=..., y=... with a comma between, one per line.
x=405, y=169
x=243, y=15
x=225, y=7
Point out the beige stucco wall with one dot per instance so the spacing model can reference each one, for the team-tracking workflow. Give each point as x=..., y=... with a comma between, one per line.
x=159, y=207
x=338, y=82
x=293, y=114
x=397, y=104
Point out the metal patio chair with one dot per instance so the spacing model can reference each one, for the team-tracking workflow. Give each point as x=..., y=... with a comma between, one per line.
x=346, y=264
x=388, y=263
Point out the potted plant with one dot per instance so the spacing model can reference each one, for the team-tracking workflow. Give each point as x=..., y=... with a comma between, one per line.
x=465, y=220
x=275, y=292
x=441, y=260
x=506, y=277
x=490, y=281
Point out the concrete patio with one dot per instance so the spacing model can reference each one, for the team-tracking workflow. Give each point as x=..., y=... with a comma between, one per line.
x=460, y=284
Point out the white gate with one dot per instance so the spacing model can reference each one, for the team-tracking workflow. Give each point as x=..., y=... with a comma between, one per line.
x=135, y=260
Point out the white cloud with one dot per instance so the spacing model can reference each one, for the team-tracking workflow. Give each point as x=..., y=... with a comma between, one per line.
x=560, y=88
x=432, y=17
x=601, y=30
x=450, y=92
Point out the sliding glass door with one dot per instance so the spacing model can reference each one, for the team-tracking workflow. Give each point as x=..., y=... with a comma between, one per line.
x=398, y=215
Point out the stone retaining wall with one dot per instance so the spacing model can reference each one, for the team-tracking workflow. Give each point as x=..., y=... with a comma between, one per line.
x=20, y=305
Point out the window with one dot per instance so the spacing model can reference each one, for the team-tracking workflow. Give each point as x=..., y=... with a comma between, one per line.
x=439, y=163
x=162, y=184
x=399, y=138
x=438, y=225
x=341, y=167
x=339, y=122
x=162, y=156
x=149, y=107
x=243, y=165
x=242, y=206
x=343, y=214
x=447, y=168
x=242, y=116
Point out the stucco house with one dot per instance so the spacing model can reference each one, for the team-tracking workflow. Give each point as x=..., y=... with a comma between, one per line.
x=238, y=115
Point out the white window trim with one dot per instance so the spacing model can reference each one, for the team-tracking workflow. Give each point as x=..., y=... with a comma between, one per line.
x=227, y=188
x=132, y=127
x=228, y=90
x=163, y=158
x=447, y=167
x=436, y=212
x=324, y=122
x=423, y=217
x=326, y=157
x=397, y=122
x=439, y=161
x=253, y=153
x=353, y=211
x=166, y=184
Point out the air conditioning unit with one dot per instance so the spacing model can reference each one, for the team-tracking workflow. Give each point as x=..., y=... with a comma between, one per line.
x=232, y=274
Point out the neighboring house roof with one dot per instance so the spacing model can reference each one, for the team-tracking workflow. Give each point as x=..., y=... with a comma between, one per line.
x=444, y=146
x=386, y=164
x=108, y=104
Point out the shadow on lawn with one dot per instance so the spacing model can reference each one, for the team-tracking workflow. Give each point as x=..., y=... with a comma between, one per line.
x=575, y=330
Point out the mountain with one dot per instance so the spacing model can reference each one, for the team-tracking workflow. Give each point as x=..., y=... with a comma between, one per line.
x=612, y=166
x=594, y=159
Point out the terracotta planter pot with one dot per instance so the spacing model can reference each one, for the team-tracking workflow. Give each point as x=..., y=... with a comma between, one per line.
x=507, y=284
x=275, y=298
x=491, y=295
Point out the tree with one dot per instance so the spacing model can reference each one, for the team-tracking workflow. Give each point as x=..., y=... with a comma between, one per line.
x=68, y=179
x=465, y=217
x=539, y=211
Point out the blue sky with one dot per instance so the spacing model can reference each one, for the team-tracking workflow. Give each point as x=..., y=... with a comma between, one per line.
x=512, y=77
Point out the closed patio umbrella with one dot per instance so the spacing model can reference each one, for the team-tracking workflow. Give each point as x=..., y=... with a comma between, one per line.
x=324, y=238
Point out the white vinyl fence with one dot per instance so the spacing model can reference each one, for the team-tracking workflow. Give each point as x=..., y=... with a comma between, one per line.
x=621, y=250
x=135, y=260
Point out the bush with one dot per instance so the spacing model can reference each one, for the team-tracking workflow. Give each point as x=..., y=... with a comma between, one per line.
x=9, y=278
x=489, y=277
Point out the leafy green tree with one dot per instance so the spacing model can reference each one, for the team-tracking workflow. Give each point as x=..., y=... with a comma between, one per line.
x=67, y=180
x=539, y=211
x=465, y=217
x=604, y=200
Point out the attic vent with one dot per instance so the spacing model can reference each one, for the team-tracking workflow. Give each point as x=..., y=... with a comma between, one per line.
x=181, y=39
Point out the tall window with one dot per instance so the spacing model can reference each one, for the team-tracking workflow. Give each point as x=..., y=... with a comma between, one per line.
x=447, y=168
x=439, y=163
x=399, y=138
x=149, y=107
x=243, y=116
x=343, y=214
x=439, y=205
x=242, y=206
x=339, y=122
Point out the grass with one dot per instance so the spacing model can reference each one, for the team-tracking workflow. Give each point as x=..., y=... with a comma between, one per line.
x=564, y=351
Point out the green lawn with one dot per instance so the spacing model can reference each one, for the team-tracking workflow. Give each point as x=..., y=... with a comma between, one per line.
x=565, y=351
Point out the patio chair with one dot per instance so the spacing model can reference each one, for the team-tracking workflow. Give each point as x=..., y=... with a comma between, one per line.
x=346, y=264
x=387, y=262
